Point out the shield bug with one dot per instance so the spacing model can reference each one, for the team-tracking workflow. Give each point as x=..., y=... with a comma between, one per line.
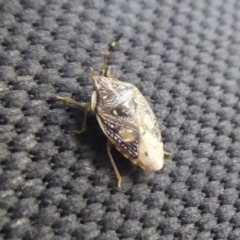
x=126, y=119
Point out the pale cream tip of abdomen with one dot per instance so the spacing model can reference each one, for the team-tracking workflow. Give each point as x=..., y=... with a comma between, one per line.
x=151, y=152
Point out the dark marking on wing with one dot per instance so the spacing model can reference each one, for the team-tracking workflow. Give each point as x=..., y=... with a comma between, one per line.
x=112, y=128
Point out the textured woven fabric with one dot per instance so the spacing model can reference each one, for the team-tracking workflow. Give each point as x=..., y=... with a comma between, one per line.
x=184, y=56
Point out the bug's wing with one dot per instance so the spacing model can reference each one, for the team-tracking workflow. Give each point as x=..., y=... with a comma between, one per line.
x=136, y=142
x=151, y=151
x=122, y=134
x=146, y=117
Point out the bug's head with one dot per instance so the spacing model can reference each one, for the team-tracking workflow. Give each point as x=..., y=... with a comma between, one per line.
x=102, y=83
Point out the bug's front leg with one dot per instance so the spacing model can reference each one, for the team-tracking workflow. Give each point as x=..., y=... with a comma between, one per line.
x=119, y=178
x=86, y=106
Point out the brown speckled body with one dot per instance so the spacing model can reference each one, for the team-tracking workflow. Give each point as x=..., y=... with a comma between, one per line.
x=128, y=121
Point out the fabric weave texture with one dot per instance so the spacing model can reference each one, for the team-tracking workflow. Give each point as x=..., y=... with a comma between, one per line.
x=184, y=56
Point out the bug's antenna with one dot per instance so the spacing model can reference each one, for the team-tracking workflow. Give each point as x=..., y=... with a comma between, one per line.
x=104, y=69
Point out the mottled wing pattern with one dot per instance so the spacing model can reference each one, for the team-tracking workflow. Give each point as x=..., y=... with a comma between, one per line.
x=146, y=116
x=124, y=135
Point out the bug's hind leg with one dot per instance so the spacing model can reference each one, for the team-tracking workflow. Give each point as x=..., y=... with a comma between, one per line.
x=119, y=178
x=167, y=153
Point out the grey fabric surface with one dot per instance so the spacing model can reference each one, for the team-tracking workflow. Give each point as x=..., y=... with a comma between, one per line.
x=183, y=55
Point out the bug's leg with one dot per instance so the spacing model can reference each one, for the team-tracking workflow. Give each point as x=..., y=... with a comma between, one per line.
x=92, y=71
x=167, y=153
x=87, y=105
x=84, y=124
x=119, y=178
x=105, y=71
x=108, y=71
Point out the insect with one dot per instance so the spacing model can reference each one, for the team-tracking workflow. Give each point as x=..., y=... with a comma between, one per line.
x=125, y=117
